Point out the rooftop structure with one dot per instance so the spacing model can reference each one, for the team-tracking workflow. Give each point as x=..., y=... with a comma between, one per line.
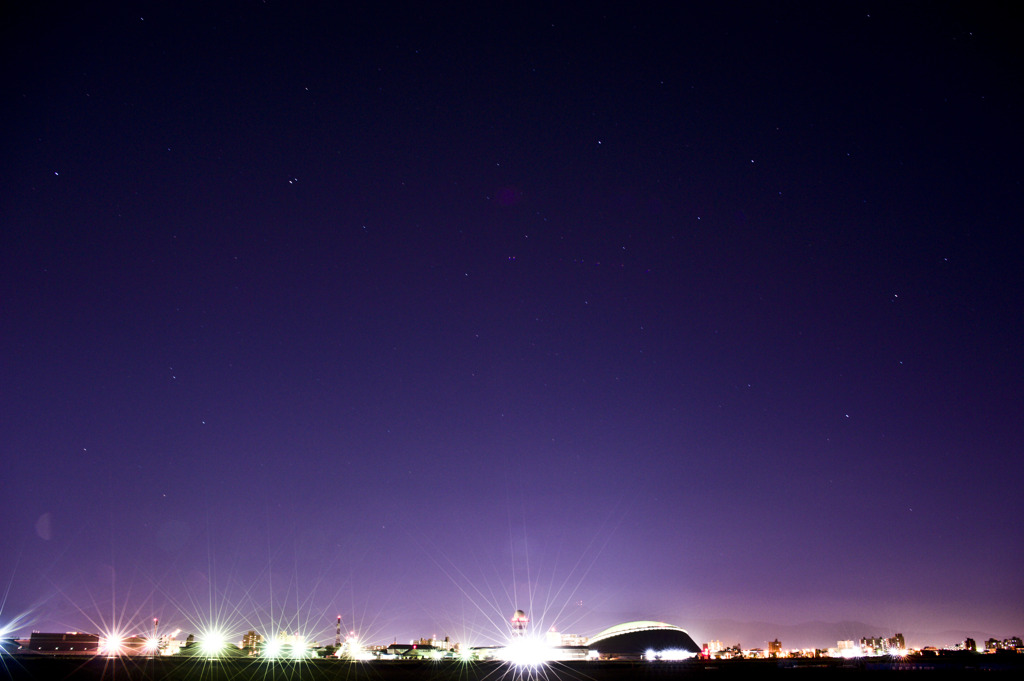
x=644, y=639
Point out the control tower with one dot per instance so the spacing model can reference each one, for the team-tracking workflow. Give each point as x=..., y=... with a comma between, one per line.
x=519, y=621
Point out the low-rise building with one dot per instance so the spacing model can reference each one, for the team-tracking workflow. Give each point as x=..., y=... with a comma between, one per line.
x=69, y=643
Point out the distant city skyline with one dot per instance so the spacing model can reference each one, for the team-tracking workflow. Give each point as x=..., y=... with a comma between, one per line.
x=236, y=620
x=520, y=644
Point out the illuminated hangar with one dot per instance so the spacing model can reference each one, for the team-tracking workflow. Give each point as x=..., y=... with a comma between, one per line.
x=636, y=640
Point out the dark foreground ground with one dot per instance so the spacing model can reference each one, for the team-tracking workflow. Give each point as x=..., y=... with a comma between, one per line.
x=184, y=669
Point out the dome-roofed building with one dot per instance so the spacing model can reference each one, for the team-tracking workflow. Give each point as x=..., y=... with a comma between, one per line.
x=636, y=640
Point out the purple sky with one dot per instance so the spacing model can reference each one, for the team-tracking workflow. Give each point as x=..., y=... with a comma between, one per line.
x=421, y=316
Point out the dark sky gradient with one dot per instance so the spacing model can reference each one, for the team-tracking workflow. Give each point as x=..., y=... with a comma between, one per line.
x=420, y=316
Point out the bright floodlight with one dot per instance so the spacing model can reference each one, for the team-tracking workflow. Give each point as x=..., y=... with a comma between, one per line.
x=213, y=643
x=273, y=648
x=112, y=644
x=526, y=652
x=299, y=648
x=352, y=649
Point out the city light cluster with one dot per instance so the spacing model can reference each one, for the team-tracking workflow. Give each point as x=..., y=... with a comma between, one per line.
x=649, y=641
x=669, y=655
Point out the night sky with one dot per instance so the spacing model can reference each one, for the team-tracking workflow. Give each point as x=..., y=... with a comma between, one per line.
x=418, y=316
